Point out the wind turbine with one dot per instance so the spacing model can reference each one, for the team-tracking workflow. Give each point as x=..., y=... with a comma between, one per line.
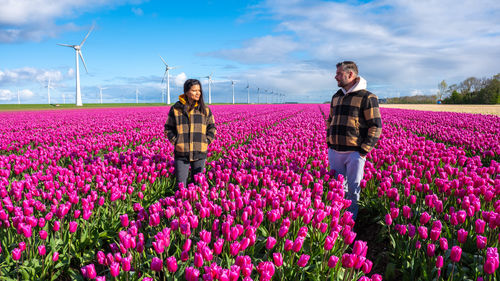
x=167, y=68
x=232, y=84
x=258, y=95
x=100, y=92
x=78, y=52
x=209, y=77
x=137, y=95
x=18, y=97
x=48, y=89
x=248, y=95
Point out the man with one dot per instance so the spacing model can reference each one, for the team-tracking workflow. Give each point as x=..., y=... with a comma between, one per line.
x=354, y=126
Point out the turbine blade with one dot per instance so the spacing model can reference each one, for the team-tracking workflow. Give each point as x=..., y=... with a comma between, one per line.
x=84, y=65
x=164, y=61
x=66, y=45
x=91, y=28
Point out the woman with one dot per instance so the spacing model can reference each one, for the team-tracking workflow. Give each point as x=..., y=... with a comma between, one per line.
x=190, y=128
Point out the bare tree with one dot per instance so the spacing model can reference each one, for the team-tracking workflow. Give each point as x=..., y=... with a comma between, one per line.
x=441, y=89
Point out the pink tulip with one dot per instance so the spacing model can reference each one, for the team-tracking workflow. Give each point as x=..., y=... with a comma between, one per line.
x=435, y=233
x=439, y=262
x=73, y=226
x=22, y=246
x=270, y=242
x=367, y=266
x=443, y=244
x=481, y=242
x=114, y=269
x=218, y=246
x=16, y=254
x=303, y=260
x=297, y=244
x=329, y=243
x=88, y=271
x=156, y=264
x=431, y=249
x=332, y=261
x=456, y=253
x=198, y=260
x=41, y=250
x=422, y=232
x=462, y=235
x=234, y=248
x=55, y=256
x=424, y=218
x=348, y=260
x=388, y=219
x=124, y=220
x=192, y=274
x=278, y=259
x=479, y=226
x=171, y=264
x=360, y=248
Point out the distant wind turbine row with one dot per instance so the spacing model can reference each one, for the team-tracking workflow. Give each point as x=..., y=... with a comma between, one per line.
x=165, y=79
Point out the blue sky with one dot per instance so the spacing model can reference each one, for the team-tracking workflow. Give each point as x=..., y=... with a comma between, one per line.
x=291, y=47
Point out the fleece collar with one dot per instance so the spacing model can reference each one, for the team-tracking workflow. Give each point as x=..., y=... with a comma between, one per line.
x=183, y=100
x=360, y=85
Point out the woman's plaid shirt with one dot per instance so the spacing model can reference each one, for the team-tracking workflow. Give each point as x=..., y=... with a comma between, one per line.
x=190, y=132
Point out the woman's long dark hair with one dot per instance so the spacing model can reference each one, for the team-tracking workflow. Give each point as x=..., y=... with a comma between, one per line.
x=201, y=104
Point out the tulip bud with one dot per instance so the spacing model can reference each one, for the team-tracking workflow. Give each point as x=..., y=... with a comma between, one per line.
x=278, y=259
x=41, y=250
x=303, y=260
x=332, y=261
x=55, y=256
x=456, y=253
x=171, y=264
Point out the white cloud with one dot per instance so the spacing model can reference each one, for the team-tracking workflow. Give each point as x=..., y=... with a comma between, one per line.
x=29, y=75
x=403, y=45
x=33, y=20
x=137, y=11
x=6, y=95
x=268, y=49
x=180, y=79
x=26, y=93
x=416, y=93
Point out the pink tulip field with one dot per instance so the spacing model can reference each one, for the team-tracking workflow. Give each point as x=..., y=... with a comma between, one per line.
x=89, y=194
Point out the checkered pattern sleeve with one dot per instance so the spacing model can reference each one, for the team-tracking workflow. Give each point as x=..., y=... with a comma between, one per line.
x=171, y=126
x=371, y=112
x=211, y=130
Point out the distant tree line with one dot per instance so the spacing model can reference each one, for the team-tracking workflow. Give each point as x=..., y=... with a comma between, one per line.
x=471, y=91
x=419, y=99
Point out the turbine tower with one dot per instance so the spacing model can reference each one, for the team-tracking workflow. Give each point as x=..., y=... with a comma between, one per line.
x=232, y=84
x=100, y=92
x=258, y=95
x=78, y=52
x=48, y=89
x=209, y=77
x=167, y=68
x=18, y=97
x=137, y=95
x=248, y=94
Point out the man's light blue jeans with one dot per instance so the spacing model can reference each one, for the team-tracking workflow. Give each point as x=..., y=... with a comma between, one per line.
x=351, y=165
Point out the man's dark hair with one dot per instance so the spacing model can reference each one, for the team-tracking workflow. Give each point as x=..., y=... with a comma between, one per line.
x=348, y=66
